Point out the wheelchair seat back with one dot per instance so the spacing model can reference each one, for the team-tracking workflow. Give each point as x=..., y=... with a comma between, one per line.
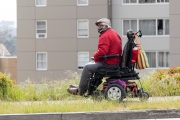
x=125, y=68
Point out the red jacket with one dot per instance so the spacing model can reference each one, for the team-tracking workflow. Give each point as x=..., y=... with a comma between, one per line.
x=109, y=43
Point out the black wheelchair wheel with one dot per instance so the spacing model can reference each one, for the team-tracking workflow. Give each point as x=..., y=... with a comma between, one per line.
x=143, y=96
x=114, y=92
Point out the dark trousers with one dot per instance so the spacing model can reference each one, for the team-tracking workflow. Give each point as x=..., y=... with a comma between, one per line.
x=87, y=72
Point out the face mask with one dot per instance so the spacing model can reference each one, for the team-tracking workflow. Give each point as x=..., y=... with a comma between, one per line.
x=100, y=30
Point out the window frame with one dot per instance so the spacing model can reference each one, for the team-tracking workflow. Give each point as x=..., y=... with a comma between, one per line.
x=83, y=4
x=41, y=5
x=83, y=28
x=46, y=61
x=156, y=34
x=83, y=61
x=41, y=29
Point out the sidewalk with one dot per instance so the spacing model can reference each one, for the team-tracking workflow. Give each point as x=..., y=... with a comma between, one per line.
x=155, y=99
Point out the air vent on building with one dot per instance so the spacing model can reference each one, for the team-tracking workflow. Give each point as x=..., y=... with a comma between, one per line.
x=41, y=35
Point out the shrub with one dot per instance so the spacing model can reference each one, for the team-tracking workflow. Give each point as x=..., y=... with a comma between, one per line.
x=5, y=84
x=163, y=82
x=173, y=70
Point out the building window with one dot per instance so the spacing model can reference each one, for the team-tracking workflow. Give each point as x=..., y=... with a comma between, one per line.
x=129, y=1
x=166, y=27
x=41, y=29
x=83, y=28
x=41, y=61
x=162, y=1
x=129, y=24
x=145, y=1
x=83, y=58
x=40, y=2
x=149, y=27
x=82, y=2
x=163, y=27
x=151, y=59
x=158, y=59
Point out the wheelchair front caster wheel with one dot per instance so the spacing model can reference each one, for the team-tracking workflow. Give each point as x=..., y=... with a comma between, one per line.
x=143, y=96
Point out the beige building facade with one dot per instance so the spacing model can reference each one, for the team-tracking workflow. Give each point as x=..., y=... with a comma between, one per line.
x=54, y=36
x=174, y=40
x=8, y=65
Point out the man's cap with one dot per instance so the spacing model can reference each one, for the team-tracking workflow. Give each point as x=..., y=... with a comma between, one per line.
x=104, y=21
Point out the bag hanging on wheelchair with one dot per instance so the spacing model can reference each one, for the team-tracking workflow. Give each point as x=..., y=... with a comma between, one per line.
x=142, y=60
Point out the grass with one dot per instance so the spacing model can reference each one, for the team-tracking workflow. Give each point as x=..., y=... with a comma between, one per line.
x=51, y=96
x=82, y=105
x=159, y=83
x=46, y=90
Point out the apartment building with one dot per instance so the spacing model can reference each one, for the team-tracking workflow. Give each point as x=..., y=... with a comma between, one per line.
x=59, y=35
x=55, y=36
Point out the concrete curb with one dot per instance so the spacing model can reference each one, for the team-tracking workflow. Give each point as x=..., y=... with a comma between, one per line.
x=112, y=115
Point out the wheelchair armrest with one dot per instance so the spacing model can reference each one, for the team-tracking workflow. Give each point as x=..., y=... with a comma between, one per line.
x=109, y=56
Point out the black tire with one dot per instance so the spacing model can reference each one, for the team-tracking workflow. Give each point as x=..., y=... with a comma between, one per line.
x=114, y=92
x=143, y=96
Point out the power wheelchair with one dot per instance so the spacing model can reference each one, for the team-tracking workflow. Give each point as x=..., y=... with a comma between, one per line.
x=118, y=83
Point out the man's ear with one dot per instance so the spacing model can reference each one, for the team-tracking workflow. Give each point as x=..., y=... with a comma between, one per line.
x=106, y=26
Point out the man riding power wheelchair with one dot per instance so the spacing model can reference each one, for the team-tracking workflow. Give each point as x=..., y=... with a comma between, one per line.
x=109, y=43
x=116, y=85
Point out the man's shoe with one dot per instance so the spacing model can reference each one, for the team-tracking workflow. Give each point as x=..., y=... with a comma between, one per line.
x=72, y=90
x=73, y=86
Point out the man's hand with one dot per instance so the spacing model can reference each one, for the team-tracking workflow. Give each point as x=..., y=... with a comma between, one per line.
x=135, y=35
